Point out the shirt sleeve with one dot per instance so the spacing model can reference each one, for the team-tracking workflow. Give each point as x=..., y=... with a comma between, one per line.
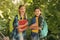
x=15, y=22
x=41, y=20
x=31, y=21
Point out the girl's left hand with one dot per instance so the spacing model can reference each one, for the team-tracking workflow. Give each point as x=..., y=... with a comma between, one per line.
x=20, y=26
x=21, y=30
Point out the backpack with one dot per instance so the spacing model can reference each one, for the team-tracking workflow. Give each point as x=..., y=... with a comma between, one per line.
x=44, y=31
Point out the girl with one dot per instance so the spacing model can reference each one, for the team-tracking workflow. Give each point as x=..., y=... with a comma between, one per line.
x=19, y=25
x=36, y=24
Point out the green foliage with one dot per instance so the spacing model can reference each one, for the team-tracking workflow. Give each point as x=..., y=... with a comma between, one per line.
x=50, y=11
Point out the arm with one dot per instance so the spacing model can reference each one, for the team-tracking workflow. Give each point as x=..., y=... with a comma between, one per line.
x=33, y=26
x=26, y=26
x=22, y=25
x=23, y=29
x=15, y=22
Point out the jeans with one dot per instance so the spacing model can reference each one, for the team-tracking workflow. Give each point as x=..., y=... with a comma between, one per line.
x=21, y=36
x=35, y=36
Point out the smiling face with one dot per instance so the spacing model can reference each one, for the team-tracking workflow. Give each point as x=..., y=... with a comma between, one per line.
x=37, y=12
x=22, y=10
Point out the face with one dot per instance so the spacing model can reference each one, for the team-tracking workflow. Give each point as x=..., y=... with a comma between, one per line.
x=22, y=10
x=37, y=12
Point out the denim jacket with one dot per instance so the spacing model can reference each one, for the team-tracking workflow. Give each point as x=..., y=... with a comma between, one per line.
x=15, y=31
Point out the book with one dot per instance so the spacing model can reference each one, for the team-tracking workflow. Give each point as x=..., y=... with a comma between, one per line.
x=22, y=22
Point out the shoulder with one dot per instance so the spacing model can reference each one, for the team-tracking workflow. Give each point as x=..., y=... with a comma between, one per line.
x=33, y=18
x=41, y=17
x=16, y=18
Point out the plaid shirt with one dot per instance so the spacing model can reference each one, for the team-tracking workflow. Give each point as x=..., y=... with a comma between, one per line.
x=33, y=20
x=15, y=30
x=40, y=21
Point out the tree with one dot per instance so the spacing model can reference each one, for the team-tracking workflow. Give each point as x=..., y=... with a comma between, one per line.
x=50, y=11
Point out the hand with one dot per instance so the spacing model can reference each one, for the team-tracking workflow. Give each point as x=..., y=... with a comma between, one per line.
x=33, y=26
x=20, y=30
x=36, y=28
x=20, y=26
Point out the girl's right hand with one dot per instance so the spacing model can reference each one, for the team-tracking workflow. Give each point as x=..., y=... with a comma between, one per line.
x=33, y=26
x=19, y=26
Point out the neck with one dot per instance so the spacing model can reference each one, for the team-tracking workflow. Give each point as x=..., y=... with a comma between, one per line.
x=37, y=16
x=22, y=15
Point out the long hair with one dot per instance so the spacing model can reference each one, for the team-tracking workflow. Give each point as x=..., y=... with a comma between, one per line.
x=25, y=15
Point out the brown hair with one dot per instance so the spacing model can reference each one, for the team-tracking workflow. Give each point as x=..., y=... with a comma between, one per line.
x=37, y=8
x=21, y=6
x=19, y=11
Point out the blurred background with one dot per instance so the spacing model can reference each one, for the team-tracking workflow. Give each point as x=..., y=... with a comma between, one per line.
x=50, y=11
